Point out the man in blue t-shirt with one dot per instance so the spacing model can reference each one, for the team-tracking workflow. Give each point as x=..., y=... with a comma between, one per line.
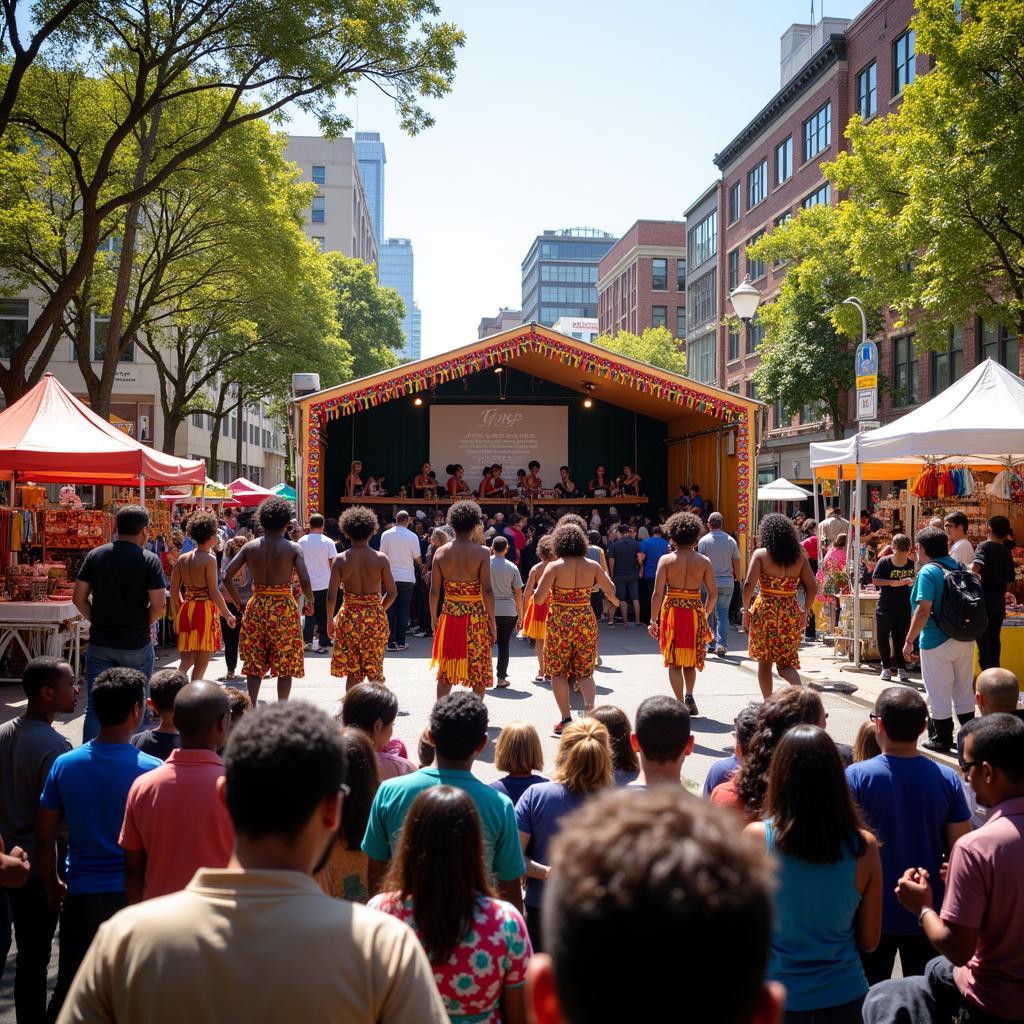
x=947, y=665
x=917, y=810
x=651, y=549
x=88, y=788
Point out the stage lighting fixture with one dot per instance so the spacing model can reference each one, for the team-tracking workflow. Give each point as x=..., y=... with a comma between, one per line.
x=587, y=403
x=499, y=369
x=417, y=401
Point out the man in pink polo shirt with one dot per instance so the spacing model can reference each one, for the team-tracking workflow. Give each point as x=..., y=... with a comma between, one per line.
x=175, y=823
x=980, y=930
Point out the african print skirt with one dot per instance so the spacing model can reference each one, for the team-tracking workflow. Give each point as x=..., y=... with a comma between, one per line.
x=570, y=647
x=462, y=640
x=271, y=634
x=683, y=630
x=360, y=636
x=535, y=621
x=198, y=622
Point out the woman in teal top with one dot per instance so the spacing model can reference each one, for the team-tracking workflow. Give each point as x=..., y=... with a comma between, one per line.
x=829, y=899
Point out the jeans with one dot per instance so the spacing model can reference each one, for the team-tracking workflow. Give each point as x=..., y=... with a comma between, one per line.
x=990, y=647
x=892, y=626
x=398, y=614
x=845, y=1013
x=34, y=925
x=720, y=617
x=533, y=927
x=318, y=619
x=506, y=627
x=98, y=660
x=231, y=638
x=915, y=952
x=80, y=919
x=646, y=590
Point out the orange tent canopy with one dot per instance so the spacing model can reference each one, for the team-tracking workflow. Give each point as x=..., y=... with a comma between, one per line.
x=49, y=436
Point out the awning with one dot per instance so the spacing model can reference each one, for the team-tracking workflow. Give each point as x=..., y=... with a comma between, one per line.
x=781, y=490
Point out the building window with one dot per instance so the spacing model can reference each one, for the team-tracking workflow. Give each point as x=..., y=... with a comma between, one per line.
x=820, y=197
x=734, y=342
x=734, y=387
x=751, y=389
x=755, y=268
x=319, y=209
x=757, y=184
x=784, y=218
x=703, y=240
x=948, y=364
x=784, y=161
x=659, y=275
x=13, y=325
x=681, y=321
x=905, y=371
x=198, y=420
x=319, y=174
x=100, y=326
x=734, y=202
x=680, y=275
x=903, y=62
x=867, y=91
x=996, y=341
x=659, y=316
x=779, y=416
x=753, y=336
x=702, y=300
x=320, y=243
x=818, y=131
x=700, y=361
x=734, y=270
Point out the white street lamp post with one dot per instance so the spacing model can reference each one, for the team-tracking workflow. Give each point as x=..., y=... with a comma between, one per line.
x=745, y=299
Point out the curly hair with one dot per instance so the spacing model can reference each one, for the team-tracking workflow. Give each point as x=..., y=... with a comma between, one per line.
x=458, y=725
x=794, y=705
x=358, y=523
x=202, y=526
x=572, y=519
x=463, y=516
x=546, y=548
x=778, y=535
x=684, y=529
x=569, y=540
x=275, y=514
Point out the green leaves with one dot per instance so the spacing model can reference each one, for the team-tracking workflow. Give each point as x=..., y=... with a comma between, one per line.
x=655, y=346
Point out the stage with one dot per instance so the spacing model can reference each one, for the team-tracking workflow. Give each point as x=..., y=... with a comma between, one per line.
x=498, y=504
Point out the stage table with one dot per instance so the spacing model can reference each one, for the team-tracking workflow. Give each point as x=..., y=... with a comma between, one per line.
x=531, y=503
x=41, y=628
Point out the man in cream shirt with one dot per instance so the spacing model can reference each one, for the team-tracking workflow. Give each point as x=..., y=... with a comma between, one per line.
x=318, y=551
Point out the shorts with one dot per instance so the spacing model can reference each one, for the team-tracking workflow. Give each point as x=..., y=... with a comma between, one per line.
x=271, y=635
x=361, y=634
x=628, y=590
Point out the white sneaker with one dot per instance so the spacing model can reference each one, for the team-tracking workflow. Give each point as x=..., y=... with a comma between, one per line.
x=904, y=678
x=721, y=651
x=886, y=674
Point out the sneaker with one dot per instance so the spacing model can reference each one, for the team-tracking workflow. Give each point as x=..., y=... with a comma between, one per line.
x=904, y=678
x=392, y=647
x=401, y=647
x=691, y=704
x=307, y=647
x=886, y=674
x=598, y=663
x=721, y=651
x=557, y=730
x=936, y=745
x=503, y=684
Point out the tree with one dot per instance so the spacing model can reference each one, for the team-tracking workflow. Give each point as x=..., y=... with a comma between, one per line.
x=655, y=346
x=370, y=317
x=935, y=214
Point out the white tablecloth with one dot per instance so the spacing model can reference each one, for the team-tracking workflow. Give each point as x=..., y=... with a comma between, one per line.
x=37, y=613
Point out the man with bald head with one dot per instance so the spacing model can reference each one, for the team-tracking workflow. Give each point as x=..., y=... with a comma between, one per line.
x=175, y=824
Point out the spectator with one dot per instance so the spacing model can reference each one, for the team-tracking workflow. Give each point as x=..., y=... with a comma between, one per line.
x=239, y=703
x=174, y=821
x=865, y=746
x=960, y=548
x=916, y=808
x=721, y=549
x=284, y=786
x=438, y=885
x=518, y=753
x=725, y=768
x=947, y=665
x=507, y=586
x=583, y=764
x=596, y=554
x=651, y=551
x=993, y=563
x=458, y=731
x=979, y=931
x=163, y=688
x=513, y=533
x=662, y=739
x=809, y=532
x=318, y=551
x=697, y=503
x=243, y=587
x=402, y=548
x=29, y=745
x=373, y=708
x=831, y=527
x=645, y=885
x=625, y=763
x=829, y=900
x=624, y=569
x=120, y=591
x=88, y=788
x=894, y=576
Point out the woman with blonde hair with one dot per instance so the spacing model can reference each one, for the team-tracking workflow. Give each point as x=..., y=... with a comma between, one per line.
x=519, y=755
x=583, y=765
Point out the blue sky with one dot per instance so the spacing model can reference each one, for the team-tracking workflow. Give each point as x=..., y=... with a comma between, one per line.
x=564, y=113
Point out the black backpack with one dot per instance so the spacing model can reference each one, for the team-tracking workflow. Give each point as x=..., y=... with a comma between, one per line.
x=962, y=615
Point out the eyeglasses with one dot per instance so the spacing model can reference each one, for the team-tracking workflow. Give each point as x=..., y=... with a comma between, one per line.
x=966, y=766
x=873, y=716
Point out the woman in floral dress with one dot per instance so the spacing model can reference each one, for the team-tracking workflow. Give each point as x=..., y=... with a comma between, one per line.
x=774, y=619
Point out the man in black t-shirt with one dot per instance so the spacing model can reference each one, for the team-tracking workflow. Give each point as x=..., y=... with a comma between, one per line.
x=120, y=590
x=894, y=576
x=993, y=563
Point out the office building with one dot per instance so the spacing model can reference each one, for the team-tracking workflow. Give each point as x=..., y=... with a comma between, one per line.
x=397, y=271
x=559, y=274
x=372, y=158
x=504, y=321
x=702, y=287
x=580, y=328
x=641, y=280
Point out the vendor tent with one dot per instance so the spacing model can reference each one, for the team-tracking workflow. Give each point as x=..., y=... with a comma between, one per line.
x=781, y=490
x=49, y=436
x=245, y=492
x=284, y=491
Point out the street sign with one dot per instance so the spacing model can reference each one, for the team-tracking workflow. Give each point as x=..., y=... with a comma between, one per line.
x=867, y=404
x=869, y=424
x=865, y=368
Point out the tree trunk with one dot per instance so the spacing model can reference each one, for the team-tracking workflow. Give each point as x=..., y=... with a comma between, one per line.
x=238, y=434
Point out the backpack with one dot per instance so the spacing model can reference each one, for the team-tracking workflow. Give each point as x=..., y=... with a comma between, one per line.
x=962, y=614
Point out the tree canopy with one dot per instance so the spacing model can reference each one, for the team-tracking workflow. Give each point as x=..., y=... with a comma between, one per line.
x=655, y=346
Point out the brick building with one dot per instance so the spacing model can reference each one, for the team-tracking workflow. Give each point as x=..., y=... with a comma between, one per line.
x=641, y=280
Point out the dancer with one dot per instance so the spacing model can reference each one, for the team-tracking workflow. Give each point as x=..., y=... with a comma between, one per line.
x=535, y=620
x=570, y=647
x=360, y=629
x=271, y=637
x=679, y=619
x=465, y=630
x=197, y=618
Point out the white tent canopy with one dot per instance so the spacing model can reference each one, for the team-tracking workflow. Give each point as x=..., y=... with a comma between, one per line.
x=781, y=490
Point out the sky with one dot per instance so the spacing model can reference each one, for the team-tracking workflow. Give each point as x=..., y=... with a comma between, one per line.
x=566, y=113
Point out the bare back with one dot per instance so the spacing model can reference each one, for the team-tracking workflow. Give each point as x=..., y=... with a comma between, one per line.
x=572, y=571
x=772, y=568
x=361, y=570
x=462, y=561
x=685, y=569
x=271, y=559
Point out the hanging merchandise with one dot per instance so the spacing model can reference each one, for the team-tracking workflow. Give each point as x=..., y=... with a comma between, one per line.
x=945, y=482
x=1007, y=486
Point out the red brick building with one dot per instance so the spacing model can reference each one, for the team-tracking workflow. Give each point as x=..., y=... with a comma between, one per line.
x=641, y=280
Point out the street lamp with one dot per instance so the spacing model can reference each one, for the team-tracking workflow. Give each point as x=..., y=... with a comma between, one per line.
x=745, y=300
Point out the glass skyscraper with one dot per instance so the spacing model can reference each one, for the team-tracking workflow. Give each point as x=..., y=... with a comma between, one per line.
x=396, y=271
x=372, y=158
x=560, y=274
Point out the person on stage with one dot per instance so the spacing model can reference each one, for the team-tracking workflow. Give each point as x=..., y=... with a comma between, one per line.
x=570, y=647
x=499, y=489
x=456, y=485
x=536, y=618
x=354, y=480
x=486, y=488
x=630, y=481
x=534, y=484
x=679, y=618
x=360, y=630
x=424, y=484
x=600, y=486
x=565, y=488
x=465, y=630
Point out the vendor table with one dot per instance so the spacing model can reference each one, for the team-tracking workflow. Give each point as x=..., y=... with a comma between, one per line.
x=868, y=636
x=41, y=628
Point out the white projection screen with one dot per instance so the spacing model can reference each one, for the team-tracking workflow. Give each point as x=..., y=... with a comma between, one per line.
x=480, y=435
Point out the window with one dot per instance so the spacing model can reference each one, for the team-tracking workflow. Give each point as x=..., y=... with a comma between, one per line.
x=319, y=174
x=681, y=321
x=818, y=131
x=903, y=62
x=703, y=300
x=755, y=268
x=905, y=371
x=754, y=336
x=703, y=240
x=734, y=342
x=734, y=270
x=867, y=91
x=784, y=218
x=13, y=325
x=784, y=161
x=813, y=413
x=659, y=275
x=751, y=389
x=680, y=275
x=319, y=209
x=318, y=241
x=996, y=341
x=700, y=360
x=820, y=197
x=757, y=184
x=198, y=419
x=948, y=364
x=734, y=202
x=780, y=418
x=734, y=387
x=659, y=316
x=100, y=326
